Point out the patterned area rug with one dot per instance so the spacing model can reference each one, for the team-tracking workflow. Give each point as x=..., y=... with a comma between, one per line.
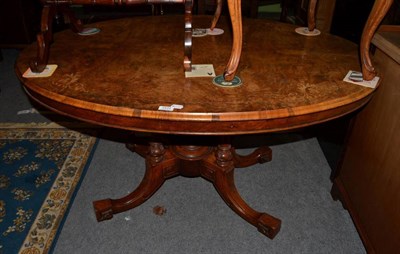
x=41, y=166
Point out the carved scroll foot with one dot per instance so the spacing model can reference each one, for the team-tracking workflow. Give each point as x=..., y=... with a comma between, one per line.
x=159, y=167
x=103, y=209
x=268, y=225
x=265, y=223
x=225, y=185
x=151, y=182
x=260, y=155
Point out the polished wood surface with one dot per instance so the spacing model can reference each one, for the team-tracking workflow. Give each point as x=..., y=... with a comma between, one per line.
x=368, y=180
x=116, y=78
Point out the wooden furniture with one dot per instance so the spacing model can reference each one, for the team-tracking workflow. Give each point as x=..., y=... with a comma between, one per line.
x=324, y=15
x=318, y=11
x=368, y=180
x=117, y=79
x=379, y=10
x=300, y=10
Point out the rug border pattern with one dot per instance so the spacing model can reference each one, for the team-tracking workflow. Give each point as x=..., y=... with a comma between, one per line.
x=39, y=240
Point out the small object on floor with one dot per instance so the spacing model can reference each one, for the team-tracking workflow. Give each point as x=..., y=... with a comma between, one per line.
x=159, y=210
x=220, y=81
x=306, y=32
x=27, y=111
x=89, y=31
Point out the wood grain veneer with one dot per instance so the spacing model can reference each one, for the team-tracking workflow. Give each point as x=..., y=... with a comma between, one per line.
x=118, y=78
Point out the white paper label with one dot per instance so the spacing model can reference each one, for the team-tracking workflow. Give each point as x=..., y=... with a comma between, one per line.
x=201, y=70
x=353, y=76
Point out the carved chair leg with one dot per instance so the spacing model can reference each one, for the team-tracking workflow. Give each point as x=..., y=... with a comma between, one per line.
x=225, y=185
x=44, y=38
x=265, y=223
x=312, y=5
x=260, y=155
x=236, y=19
x=157, y=162
x=74, y=23
x=378, y=12
x=217, y=14
x=187, y=61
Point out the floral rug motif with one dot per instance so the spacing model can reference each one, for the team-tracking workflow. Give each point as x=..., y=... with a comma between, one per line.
x=41, y=166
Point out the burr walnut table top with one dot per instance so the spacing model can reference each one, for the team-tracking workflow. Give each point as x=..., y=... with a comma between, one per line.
x=121, y=76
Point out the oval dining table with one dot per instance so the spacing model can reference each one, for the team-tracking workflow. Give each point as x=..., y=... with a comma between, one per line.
x=121, y=76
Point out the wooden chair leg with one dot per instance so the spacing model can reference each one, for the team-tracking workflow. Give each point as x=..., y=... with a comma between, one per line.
x=312, y=5
x=235, y=12
x=378, y=12
x=217, y=14
x=45, y=36
x=187, y=61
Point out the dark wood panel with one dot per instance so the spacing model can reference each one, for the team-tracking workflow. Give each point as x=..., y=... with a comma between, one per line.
x=369, y=178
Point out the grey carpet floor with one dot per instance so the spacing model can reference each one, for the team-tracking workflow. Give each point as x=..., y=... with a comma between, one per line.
x=294, y=187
